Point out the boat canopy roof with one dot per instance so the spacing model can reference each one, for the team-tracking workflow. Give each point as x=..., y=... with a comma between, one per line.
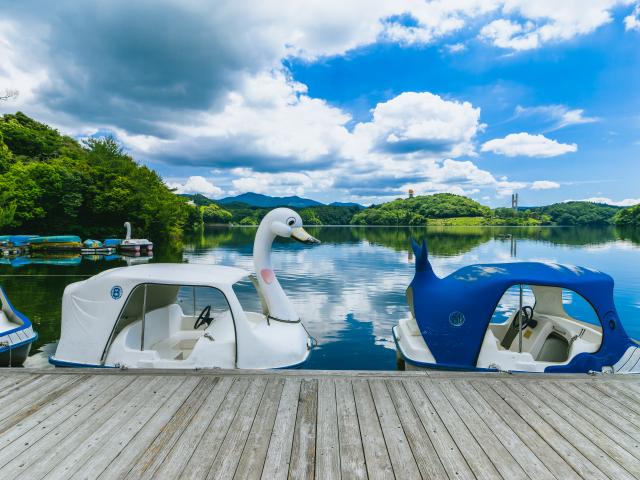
x=454, y=312
x=90, y=309
x=172, y=274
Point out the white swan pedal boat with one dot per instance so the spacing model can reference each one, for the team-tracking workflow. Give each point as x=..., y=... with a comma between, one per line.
x=186, y=316
x=16, y=334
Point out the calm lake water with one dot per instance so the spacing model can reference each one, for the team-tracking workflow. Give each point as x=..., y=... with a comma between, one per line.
x=350, y=290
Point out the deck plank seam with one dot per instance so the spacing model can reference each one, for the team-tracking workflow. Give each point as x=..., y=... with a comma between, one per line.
x=579, y=447
x=565, y=455
x=611, y=443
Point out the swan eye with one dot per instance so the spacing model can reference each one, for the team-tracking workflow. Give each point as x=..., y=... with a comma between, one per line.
x=291, y=222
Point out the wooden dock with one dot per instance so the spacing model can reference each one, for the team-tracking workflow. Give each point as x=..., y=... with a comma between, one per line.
x=304, y=424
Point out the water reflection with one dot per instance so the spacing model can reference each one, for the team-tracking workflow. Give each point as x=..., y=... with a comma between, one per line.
x=350, y=290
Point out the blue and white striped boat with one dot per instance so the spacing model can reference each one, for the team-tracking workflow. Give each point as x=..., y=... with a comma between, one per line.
x=16, y=334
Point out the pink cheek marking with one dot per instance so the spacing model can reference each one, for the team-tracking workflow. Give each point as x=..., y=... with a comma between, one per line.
x=267, y=275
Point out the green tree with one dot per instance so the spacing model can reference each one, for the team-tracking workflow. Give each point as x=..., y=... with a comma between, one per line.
x=628, y=217
x=213, y=213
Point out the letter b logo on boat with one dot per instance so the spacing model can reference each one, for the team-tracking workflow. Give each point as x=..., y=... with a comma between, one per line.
x=116, y=292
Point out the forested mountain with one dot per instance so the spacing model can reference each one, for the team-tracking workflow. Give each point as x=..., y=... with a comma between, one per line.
x=50, y=183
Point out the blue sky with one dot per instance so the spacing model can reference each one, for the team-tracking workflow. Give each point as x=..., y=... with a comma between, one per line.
x=345, y=100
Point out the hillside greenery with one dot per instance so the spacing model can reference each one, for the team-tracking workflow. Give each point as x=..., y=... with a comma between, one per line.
x=418, y=210
x=628, y=217
x=52, y=184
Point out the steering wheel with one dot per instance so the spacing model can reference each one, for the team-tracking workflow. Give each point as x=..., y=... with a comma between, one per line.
x=204, y=317
x=527, y=313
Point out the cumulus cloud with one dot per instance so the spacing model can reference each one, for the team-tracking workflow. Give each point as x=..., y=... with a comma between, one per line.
x=196, y=184
x=284, y=183
x=627, y=202
x=542, y=21
x=632, y=21
x=527, y=145
x=544, y=185
x=419, y=122
x=559, y=115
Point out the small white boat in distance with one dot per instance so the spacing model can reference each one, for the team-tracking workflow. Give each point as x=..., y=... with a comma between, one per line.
x=186, y=316
x=16, y=334
x=134, y=244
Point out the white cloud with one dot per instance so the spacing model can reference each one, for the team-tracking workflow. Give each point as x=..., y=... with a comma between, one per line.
x=456, y=47
x=196, y=184
x=525, y=144
x=627, y=202
x=276, y=184
x=561, y=115
x=544, y=185
x=632, y=21
x=507, y=34
x=418, y=122
x=535, y=23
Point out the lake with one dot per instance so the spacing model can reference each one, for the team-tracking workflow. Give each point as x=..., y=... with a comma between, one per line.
x=350, y=290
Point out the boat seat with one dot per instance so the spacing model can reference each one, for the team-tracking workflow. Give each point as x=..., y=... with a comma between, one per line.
x=554, y=349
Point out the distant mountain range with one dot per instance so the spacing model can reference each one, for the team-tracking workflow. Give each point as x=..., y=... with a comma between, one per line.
x=260, y=200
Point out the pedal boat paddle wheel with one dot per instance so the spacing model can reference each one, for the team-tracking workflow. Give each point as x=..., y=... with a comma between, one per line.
x=186, y=316
x=450, y=323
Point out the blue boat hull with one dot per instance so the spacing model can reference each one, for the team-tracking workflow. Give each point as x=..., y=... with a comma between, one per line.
x=15, y=356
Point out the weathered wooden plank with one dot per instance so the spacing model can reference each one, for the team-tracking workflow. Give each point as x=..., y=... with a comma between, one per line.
x=565, y=449
x=94, y=465
x=137, y=446
x=612, y=400
x=70, y=435
x=59, y=425
x=591, y=441
x=607, y=414
x=327, y=442
x=109, y=425
x=607, y=424
x=56, y=411
x=352, y=464
x=188, y=400
x=226, y=461
x=424, y=453
x=402, y=460
x=522, y=452
x=477, y=459
x=8, y=382
x=200, y=462
x=628, y=390
x=255, y=450
x=50, y=389
x=450, y=455
x=375, y=451
x=502, y=459
x=276, y=465
x=175, y=461
x=45, y=400
x=303, y=449
x=121, y=426
x=26, y=383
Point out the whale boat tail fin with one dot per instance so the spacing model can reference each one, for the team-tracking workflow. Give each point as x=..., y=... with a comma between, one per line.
x=421, y=252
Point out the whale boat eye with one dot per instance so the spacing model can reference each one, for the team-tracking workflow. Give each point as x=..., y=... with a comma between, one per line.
x=291, y=221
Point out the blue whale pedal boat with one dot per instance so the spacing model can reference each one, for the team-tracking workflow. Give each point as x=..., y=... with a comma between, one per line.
x=16, y=334
x=452, y=322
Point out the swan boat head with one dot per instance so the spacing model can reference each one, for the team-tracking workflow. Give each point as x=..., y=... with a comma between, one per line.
x=280, y=222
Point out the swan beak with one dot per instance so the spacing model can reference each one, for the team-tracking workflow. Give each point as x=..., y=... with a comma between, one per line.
x=301, y=235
